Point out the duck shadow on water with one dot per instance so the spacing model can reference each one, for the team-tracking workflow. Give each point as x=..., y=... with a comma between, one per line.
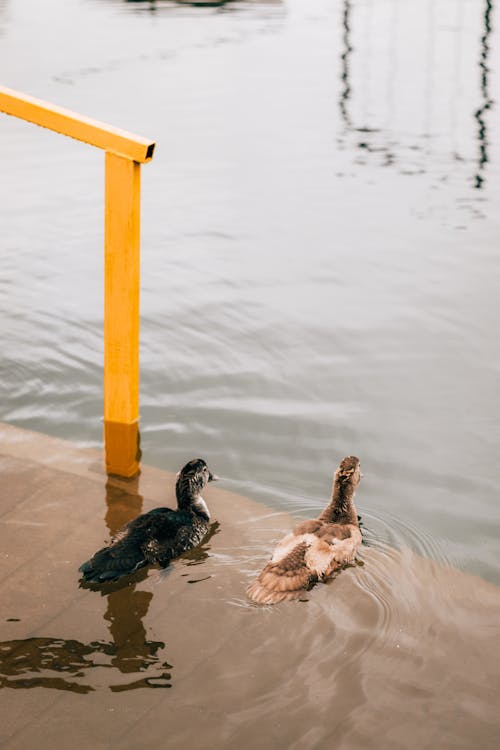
x=129, y=660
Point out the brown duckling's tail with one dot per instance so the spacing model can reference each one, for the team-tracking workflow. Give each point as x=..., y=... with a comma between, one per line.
x=262, y=595
x=283, y=580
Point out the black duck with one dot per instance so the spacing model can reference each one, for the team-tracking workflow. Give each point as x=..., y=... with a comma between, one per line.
x=158, y=536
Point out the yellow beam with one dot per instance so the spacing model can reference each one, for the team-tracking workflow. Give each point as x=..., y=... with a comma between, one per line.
x=121, y=301
x=76, y=126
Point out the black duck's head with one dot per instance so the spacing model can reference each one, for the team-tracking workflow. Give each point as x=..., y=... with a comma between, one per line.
x=191, y=480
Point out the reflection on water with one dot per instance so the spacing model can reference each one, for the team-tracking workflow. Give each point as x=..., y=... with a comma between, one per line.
x=345, y=91
x=364, y=22
x=487, y=100
x=68, y=664
x=154, y=5
x=39, y=662
x=65, y=664
x=133, y=653
x=123, y=503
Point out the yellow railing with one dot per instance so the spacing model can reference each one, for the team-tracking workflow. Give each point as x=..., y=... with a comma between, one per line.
x=124, y=154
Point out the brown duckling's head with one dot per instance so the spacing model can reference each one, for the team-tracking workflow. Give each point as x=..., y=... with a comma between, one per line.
x=349, y=472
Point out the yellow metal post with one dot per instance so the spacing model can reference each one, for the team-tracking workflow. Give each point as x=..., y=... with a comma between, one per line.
x=121, y=313
x=124, y=154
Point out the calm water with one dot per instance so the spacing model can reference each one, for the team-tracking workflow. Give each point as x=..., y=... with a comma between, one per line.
x=320, y=248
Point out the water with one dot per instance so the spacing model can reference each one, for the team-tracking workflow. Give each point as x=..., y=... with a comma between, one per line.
x=181, y=657
x=319, y=245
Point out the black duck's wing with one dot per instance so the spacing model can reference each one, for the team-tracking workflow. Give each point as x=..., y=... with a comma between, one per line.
x=113, y=562
x=170, y=533
x=125, y=553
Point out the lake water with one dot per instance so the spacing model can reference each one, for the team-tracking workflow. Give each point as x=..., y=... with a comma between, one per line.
x=320, y=255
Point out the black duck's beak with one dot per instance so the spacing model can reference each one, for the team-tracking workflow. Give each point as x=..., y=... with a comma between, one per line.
x=212, y=477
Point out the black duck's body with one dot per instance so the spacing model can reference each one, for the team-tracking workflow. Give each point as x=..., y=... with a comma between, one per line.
x=159, y=536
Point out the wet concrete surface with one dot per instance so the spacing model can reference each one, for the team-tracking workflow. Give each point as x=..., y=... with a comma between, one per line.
x=396, y=652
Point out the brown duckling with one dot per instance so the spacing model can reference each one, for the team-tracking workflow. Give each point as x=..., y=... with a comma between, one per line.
x=314, y=549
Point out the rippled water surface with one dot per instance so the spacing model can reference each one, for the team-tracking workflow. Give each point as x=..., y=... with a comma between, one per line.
x=320, y=248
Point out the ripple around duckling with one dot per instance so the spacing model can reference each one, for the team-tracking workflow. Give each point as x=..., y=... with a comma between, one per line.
x=384, y=532
x=391, y=548
x=373, y=581
x=385, y=540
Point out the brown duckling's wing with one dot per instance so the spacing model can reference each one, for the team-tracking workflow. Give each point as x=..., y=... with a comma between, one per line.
x=298, y=561
x=344, y=541
x=301, y=559
x=285, y=579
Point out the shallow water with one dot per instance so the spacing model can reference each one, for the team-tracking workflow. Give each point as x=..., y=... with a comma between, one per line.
x=320, y=235
x=397, y=651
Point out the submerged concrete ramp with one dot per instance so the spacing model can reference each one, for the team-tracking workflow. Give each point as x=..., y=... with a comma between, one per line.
x=397, y=652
